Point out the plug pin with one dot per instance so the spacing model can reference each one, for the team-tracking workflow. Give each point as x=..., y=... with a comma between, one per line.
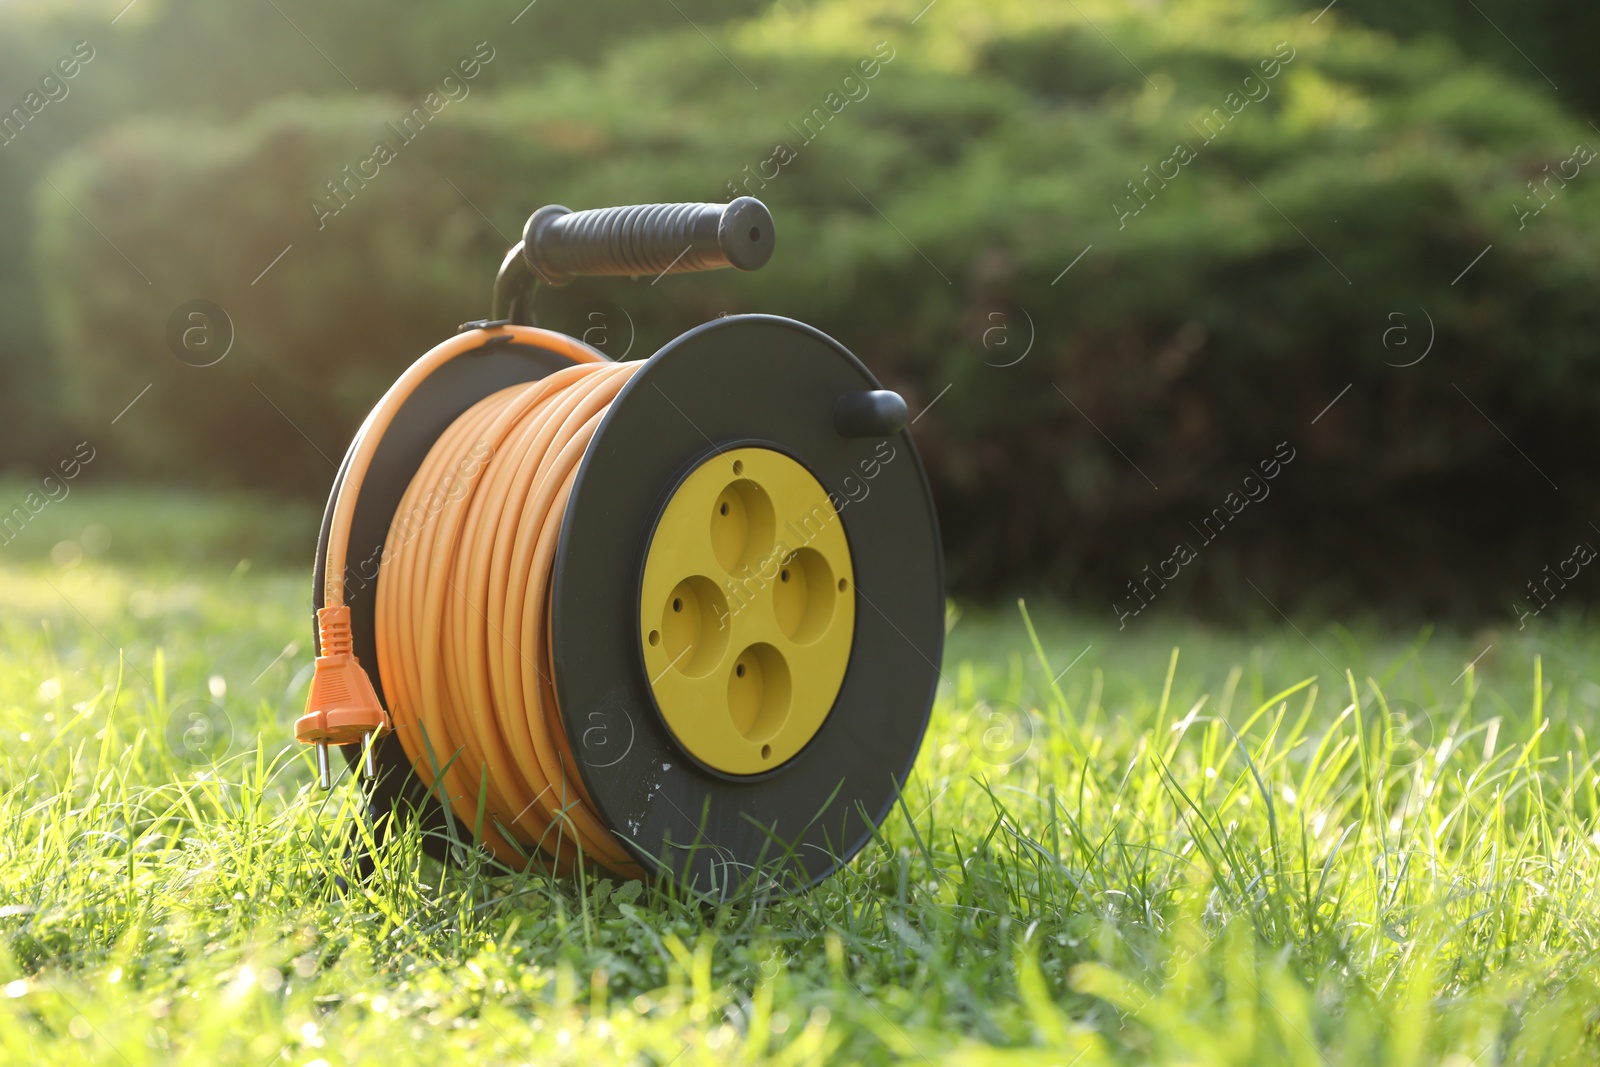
x=324, y=772
x=369, y=762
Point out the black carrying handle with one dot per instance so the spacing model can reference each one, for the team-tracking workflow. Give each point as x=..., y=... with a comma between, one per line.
x=644, y=239
x=648, y=239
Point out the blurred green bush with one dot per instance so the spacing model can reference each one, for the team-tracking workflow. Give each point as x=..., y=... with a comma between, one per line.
x=1221, y=300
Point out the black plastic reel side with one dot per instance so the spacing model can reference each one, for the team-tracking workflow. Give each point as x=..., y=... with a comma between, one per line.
x=437, y=402
x=746, y=380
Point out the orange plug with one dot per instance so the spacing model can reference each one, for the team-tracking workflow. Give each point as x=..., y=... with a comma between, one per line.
x=342, y=707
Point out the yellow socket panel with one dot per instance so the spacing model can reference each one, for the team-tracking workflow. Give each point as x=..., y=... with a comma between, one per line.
x=747, y=610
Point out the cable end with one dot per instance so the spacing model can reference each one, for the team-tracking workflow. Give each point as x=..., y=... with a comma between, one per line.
x=342, y=707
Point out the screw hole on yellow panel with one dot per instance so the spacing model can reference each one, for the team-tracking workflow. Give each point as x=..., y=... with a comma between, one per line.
x=738, y=466
x=655, y=637
x=843, y=585
x=677, y=604
x=766, y=751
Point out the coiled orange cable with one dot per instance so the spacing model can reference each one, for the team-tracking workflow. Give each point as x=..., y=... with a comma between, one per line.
x=463, y=617
x=462, y=613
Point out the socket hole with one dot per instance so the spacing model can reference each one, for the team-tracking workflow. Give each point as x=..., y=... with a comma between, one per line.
x=759, y=692
x=693, y=631
x=742, y=525
x=803, y=602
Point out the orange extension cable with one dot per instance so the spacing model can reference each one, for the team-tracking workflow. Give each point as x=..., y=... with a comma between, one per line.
x=462, y=619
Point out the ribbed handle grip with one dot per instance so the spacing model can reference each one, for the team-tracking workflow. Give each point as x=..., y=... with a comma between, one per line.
x=648, y=239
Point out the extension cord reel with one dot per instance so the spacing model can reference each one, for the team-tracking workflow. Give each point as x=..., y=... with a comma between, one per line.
x=680, y=617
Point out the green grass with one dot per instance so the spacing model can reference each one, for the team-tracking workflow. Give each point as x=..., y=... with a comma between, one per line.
x=1268, y=847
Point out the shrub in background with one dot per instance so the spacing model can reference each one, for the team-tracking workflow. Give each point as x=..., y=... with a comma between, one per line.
x=1247, y=242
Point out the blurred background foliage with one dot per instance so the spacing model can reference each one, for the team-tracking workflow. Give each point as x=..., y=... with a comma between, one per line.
x=1316, y=242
